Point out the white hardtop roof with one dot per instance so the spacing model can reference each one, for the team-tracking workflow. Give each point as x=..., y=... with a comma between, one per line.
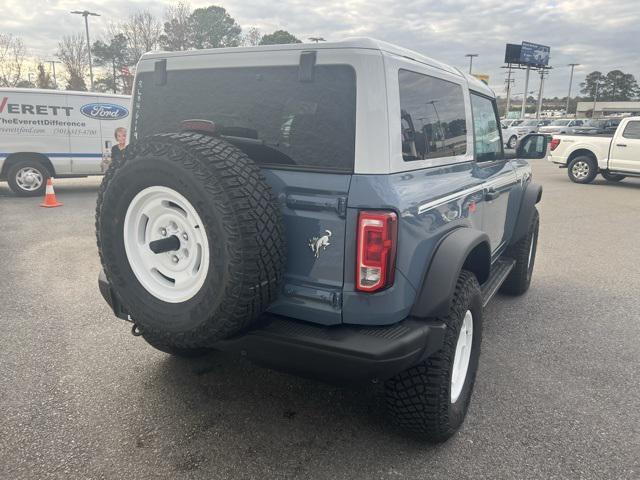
x=352, y=43
x=63, y=92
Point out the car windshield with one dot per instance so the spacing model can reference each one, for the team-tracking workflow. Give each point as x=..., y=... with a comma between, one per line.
x=529, y=123
x=559, y=123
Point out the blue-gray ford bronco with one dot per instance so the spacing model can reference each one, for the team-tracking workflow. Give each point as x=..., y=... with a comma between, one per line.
x=341, y=210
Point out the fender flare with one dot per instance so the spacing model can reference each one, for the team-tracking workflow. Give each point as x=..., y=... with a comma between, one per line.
x=531, y=196
x=463, y=247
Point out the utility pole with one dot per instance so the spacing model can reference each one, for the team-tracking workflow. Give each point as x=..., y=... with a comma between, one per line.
x=572, y=65
x=85, y=14
x=506, y=114
x=526, y=89
x=471, y=55
x=317, y=39
x=540, y=94
x=53, y=69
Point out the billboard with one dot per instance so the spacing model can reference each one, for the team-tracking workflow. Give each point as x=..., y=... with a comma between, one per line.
x=534, y=54
x=512, y=53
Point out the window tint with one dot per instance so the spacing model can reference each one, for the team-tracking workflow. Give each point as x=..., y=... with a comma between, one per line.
x=488, y=145
x=265, y=111
x=432, y=117
x=632, y=130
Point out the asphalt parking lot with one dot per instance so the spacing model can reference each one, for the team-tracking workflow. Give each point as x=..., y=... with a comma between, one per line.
x=557, y=395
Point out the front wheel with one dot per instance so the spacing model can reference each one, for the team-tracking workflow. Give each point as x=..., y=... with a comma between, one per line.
x=27, y=178
x=524, y=253
x=612, y=177
x=431, y=399
x=582, y=169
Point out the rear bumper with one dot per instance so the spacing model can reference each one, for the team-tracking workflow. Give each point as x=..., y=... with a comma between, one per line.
x=343, y=353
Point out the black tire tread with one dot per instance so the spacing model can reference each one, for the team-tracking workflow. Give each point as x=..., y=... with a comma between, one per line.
x=418, y=399
x=519, y=279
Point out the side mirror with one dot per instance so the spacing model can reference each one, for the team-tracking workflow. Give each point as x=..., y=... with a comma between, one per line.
x=533, y=146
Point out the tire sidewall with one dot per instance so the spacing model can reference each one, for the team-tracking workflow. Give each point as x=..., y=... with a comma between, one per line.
x=13, y=184
x=147, y=310
x=458, y=409
x=593, y=169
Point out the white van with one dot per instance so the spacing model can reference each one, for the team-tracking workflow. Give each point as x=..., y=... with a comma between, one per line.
x=57, y=133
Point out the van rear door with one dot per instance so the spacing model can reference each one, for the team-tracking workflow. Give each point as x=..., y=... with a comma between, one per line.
x=299, y=126
x=84, y=135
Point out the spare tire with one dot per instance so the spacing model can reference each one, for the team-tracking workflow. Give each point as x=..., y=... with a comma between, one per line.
x=191, y=239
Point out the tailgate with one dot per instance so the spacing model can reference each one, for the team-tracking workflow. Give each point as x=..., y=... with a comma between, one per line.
x=314, y=209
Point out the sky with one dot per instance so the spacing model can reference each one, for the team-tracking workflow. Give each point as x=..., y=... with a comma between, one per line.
x=599, y=34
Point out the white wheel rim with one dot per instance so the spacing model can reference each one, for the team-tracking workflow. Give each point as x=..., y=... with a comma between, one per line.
x=29, y=179
x=462, y=356
x=156, y=213
x=580, y=170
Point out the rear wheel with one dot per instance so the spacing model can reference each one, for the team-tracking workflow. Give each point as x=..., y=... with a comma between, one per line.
x=27, y=178
x=612, y=177
x=582, y=169
x=431, y=399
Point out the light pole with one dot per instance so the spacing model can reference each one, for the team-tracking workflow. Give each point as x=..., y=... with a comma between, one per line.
x=85, y=14
x=53, y=68
x=317, y=39
x=471, y=55
x=572, y=65
x=595, y=99
x=523, y=108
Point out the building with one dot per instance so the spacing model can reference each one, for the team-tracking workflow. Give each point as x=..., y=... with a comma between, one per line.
x=604, y=109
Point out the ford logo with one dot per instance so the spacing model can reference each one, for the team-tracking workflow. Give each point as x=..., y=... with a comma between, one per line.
x=104, y=111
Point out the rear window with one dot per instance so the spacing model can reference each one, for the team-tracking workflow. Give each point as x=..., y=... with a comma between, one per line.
x=432, y=117
x=268, y=112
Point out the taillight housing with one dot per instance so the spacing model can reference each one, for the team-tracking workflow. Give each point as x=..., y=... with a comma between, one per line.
x=554, y=143
x=376, y=250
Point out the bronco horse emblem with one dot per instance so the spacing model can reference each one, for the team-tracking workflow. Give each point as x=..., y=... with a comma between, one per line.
x=316, y=243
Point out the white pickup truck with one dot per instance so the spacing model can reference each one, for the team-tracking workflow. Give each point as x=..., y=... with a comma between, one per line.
x=585, y=156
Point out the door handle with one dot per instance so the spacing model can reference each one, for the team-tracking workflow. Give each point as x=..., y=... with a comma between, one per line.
x=491, y=194
x=621, y=144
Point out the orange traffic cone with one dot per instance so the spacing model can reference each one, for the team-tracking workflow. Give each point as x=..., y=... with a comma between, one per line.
x=50, y=196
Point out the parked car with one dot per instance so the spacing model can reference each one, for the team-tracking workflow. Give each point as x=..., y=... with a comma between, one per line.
x=529, y=126
x=561, y=126
x=509, y=135
x=585, y=156
x=510, y=122
x=307, y=207
x=598, y=127
x=45, y=133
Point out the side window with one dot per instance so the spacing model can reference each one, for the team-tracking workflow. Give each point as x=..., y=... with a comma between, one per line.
x=488, y=144
x=432, y=117
x=632, y=131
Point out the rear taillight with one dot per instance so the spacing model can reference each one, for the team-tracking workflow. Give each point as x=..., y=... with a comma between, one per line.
x=554, y=143
x=376, y=252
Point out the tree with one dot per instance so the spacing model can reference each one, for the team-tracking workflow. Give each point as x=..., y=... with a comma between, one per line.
x=142, y=31
x=213, y=27
x=178, y=30
x=279, y=37
x=113, y=56
x=43, y=79
x=620, y=86
x=12, y=57
x=72, y=52
x=251, y=38
x=588, y=87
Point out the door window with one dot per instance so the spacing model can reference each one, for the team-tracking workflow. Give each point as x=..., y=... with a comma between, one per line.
x=632, y=131
x=488, y=142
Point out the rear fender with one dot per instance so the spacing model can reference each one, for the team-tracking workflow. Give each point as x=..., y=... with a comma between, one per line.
x=531, y=196
x=466, y=248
